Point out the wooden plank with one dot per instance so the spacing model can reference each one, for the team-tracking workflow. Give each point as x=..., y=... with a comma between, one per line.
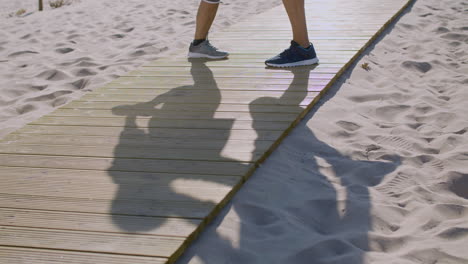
x=209, y=101
x=123, y=164
x=231, y=63
x=287, y=34
x=314, y=38
x=179, y=188
x=142, y=84
x=100, y=178
x=145, y=122
x=24, y=140
x=269, y=45
x=245, y=152
x=259, y=108
x=196, y=96
x=218, y=71
x=285, y=27
x=160, y=133
x=220, y=82
x=141, y=207
x=98, y=222
x=201, y=115
x=161, y=89
x=131, y=244
x=15, y=255
x=233, y=73
x=131, y=193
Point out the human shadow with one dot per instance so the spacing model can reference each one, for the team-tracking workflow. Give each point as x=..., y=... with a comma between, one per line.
x=171, y=138
x=315, y=204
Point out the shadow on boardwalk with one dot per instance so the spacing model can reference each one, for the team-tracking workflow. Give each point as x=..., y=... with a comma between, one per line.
x=308, y=220
x=151, y=193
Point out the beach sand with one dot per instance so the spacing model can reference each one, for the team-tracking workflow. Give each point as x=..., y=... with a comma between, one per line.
x=376, y=173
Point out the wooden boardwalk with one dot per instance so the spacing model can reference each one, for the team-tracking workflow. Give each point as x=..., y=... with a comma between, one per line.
x=131, y=172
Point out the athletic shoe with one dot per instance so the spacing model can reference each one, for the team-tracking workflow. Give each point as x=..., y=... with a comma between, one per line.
x=294, y=56
x=206, y=50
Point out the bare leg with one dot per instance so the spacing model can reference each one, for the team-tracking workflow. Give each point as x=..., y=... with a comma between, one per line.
x=205, y=16
x=296, y=14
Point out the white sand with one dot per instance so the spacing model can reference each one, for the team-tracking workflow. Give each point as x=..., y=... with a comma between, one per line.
x=49, y=58
x=377, y=173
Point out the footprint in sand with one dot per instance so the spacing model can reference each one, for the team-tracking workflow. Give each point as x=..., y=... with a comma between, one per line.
x=349, y=126
x=24, y=52
x=39, y=87
x=422, y=67
x=79, y=61
x=454, y=233
x=427, y=161
x=80, y=84
x=127, y=30
x=53, y=75
x=367, y=98
x=85, y=72
x=26, y=36
x=47, y=97
x=258, y=215
x=390, y=112
x=25, y=109
x=64, y=50
x=458, y=183
x=118, y=36
x=73, y=36
x=456, y=36
x=397, y=185
x=394, y=142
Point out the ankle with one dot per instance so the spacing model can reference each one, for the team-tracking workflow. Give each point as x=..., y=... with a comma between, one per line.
x=197, y=42
x=304, y=43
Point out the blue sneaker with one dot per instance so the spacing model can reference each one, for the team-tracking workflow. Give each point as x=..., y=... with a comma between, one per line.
x=294, y=56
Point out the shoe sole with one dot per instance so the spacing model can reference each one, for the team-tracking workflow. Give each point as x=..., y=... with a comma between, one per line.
x=294, y=64
x=194, y=55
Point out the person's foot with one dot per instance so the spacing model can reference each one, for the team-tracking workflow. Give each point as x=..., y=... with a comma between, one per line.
x=294, y=56
x=206, y=50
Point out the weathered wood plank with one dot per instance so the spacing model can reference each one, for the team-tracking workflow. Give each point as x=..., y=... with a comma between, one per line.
x=171, y=188
x=15, y=255
x=153, y=143
x=131, y=244
x=115, y=88
x=98, y=222
x=259, y=108
x=211, y=101
x=271, y=75
x=211, y=97
x=220, y=82
x=241, y=116
x=245, y=152
x=145, y=122
x=160, y=133
x=124, y=164
x=181, y=188
x=140, y=207
x=62, y=176
x=185, y=70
